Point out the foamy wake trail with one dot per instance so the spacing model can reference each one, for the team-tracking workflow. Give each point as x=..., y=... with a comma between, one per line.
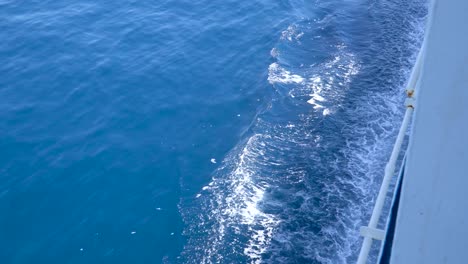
x=232, y=206
x=300, y=186
x=244, y=214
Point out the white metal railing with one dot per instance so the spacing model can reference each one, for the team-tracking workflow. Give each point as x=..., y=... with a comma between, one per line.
x=371, y=232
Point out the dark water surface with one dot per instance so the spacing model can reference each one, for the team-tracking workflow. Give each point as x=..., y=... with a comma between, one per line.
x=197, y=131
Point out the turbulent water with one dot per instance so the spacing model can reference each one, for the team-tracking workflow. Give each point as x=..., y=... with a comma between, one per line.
x=197, y=131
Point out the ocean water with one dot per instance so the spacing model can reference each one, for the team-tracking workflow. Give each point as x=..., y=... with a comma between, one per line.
x=197, y=131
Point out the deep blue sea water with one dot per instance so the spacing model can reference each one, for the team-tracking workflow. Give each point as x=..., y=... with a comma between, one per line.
x=179, y=131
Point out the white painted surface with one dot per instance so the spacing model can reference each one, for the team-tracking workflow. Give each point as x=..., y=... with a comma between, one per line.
x=432, y=222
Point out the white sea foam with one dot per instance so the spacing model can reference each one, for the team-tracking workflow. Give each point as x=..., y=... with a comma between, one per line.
x=234, y=205
x=243, y=201
x=292, y=33
x=277, y=74
x=274, y=52
x=328, y=82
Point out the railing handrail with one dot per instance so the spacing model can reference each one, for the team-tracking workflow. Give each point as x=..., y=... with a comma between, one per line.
x=370, y=231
